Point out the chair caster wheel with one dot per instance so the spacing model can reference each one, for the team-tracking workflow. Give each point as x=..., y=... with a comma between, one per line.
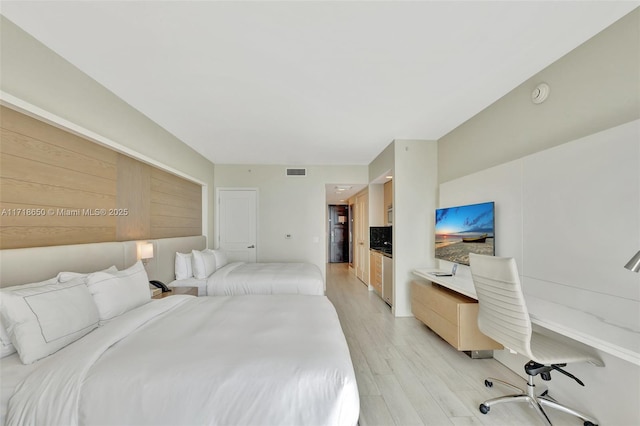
x=588, y=423
x=488, y=383
x=484, y=409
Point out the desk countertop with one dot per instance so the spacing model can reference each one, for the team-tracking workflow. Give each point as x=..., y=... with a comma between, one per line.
x=459, y=284
x=575, y=324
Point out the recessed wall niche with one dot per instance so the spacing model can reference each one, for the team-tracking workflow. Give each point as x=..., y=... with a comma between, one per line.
x=58, y=188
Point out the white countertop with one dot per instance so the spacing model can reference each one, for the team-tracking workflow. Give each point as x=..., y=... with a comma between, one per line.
x=564, y=320
x=459, y=284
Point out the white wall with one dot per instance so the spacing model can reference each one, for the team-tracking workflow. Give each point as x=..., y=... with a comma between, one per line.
x=570, y=216
x=415, y=189
x=290, y=205
x=33, y=73
x=593, y=88
x=376, y=202
x=383, y=162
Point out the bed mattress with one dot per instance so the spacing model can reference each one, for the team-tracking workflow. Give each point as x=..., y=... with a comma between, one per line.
x=260, y=360
x=240, y=278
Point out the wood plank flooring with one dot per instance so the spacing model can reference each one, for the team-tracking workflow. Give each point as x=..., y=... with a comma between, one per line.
x=407, y=375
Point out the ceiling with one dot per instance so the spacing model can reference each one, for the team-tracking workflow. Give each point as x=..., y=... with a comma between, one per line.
x=310, y=83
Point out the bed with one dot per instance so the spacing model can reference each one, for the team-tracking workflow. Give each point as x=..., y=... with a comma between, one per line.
x=272, y=360
x=241, y=278
x=213, y=275
x=256, y=359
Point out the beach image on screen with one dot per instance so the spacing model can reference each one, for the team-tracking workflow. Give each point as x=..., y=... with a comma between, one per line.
x=464, y=229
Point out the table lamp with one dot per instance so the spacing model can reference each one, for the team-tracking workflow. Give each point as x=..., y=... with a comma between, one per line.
x=145, y=252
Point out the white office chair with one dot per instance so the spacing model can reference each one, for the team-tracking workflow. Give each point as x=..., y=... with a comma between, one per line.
x=504, y=317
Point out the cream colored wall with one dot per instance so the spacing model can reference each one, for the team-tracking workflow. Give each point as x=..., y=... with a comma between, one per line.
x=382, y=163
x=376, y=200
x=415, y=191
x=34, y=74
x=290, y=205
x=594, y=87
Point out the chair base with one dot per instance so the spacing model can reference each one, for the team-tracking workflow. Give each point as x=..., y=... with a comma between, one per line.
x=537, y=401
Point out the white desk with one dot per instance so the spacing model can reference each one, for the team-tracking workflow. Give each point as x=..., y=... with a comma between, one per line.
x=575, y=324
x=456, y=283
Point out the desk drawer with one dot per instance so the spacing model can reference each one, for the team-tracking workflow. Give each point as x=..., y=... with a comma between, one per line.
x=442, y=301
x=450, y=315
x=437, y=323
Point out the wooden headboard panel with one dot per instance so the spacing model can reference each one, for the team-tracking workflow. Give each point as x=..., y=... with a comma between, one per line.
x=27, y=265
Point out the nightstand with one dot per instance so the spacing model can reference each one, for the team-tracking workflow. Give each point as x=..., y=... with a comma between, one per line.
x=178, y=290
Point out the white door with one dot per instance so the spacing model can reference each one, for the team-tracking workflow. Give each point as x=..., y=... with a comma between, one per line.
x=237, y=224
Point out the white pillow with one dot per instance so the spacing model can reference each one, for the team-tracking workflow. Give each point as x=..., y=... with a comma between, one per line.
x=183, y=266
x=43, y=318
x=6, y=347
x=221, y=258
x=119, y=292
x=204, y=263
x=63, y=277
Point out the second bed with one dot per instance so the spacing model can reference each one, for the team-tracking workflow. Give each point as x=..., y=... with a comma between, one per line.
x=240, y=278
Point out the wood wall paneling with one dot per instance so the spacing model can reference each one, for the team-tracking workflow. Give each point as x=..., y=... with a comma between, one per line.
x=20, y=123
x=58, y=188
x=33, y=236
x=133, y=200
x=49, y=179
x=45, y=152
x=176, y=206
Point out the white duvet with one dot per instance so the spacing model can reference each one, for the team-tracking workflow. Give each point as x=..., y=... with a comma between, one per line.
x=241, y=278
x=181, y=360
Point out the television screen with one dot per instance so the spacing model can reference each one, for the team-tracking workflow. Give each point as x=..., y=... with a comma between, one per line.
x=465, y=229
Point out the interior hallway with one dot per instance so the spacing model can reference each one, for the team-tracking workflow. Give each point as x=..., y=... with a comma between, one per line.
x=407, y=375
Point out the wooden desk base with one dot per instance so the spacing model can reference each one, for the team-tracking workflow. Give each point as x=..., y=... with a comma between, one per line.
x=451, y=315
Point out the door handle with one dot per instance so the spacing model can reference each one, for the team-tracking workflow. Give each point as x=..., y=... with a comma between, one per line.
x=252, y=246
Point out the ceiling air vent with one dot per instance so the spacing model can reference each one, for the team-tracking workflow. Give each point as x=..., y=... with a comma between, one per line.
x=296, y=172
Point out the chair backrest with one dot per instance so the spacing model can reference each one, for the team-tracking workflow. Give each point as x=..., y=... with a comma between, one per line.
x=502, y=313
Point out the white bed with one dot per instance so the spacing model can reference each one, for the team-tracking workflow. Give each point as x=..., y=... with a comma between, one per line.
x=272, y=360
x=240, y=278
x=269, y=360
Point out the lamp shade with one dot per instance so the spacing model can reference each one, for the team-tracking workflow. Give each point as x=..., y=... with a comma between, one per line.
x=634, y=263
x=145, y=251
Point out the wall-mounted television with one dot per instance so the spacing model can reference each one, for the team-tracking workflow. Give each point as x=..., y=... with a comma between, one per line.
x=465, y=229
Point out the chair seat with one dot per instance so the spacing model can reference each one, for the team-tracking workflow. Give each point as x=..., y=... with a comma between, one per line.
x=546, y=350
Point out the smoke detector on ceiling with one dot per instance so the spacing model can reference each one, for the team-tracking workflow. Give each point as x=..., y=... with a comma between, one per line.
x=540, y=93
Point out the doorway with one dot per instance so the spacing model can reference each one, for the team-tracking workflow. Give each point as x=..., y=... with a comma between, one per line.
x=338, y=233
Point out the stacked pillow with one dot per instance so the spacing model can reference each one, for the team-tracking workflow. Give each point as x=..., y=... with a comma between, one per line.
x=199, y=264
x=41, y=318
x=221, y=258
x=183, y=266
x=7, y=347
x=119, y=292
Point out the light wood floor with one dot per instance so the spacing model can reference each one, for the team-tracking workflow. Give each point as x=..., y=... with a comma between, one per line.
x=407, y=375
